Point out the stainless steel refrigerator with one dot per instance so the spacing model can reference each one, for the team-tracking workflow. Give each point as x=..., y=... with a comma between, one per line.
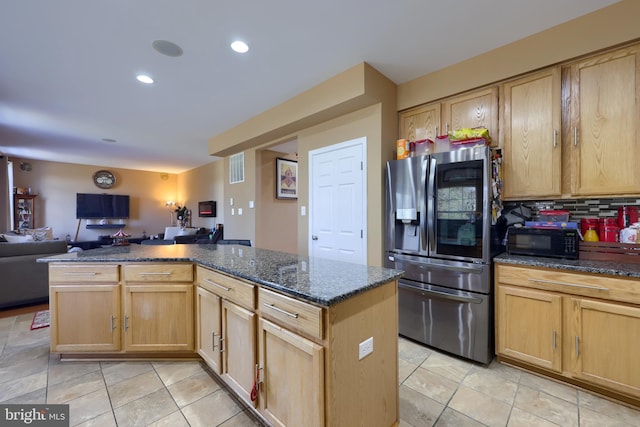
x=439, y=231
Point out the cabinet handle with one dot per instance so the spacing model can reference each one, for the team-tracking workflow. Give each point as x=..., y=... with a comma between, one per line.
x=551, y=282
x=437, y=127
x=113, y=323
x=211, y=282
x=126, y=322
x=555, y=336
x=164, y=273
x=279, y=310
x=213, y=340
x=555, y=138
x=447, y=128
x=80, y=273
x=575, y=136
x=221, y=344
x=577, y=346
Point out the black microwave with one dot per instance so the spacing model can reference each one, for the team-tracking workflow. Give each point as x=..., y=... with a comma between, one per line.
x=547, y=242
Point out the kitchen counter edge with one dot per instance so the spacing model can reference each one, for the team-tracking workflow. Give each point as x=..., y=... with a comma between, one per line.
x=610, y=268
x=340, y=281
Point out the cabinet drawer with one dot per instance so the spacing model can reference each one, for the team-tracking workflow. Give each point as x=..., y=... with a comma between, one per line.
x=288, y=312
x=583, y=284
x=80, y=272
x=234, y=290
x=148, y=272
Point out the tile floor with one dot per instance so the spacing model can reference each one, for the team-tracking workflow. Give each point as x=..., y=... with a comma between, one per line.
x=435, y=390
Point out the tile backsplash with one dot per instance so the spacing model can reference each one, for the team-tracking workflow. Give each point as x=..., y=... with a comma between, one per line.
x=578, y=208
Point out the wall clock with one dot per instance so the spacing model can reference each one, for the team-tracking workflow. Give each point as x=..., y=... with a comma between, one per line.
x=104, y=179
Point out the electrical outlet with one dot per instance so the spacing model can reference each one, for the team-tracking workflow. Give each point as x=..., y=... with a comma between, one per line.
x=365, y=348
x=303, y=210
x=239, y=211
x=233, y=211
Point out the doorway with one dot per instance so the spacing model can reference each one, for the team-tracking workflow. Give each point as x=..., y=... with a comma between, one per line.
x=337, y=201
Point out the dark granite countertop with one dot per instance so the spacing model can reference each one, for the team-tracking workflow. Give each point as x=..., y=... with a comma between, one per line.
x=317, y=280
x=578, y=265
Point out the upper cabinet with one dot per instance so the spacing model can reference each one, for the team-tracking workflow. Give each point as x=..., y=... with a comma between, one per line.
x=605, y=149
x=530, y=135
x=470, y=110
x=473, y=109
x=420, y=123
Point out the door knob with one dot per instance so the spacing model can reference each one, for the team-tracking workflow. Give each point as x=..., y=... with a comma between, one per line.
x=314, y=237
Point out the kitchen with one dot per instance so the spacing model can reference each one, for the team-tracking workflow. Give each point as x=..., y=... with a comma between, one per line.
x=569, y=138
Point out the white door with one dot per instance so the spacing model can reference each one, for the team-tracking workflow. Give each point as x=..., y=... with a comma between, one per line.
x=337, y=201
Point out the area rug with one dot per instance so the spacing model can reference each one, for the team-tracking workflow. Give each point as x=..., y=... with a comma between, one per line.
x=40, y=320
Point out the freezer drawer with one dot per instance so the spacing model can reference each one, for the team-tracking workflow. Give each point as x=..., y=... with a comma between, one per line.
x=457, y=322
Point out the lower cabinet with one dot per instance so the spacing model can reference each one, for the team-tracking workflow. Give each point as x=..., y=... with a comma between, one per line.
x=530, y=326
x=296, y=363
x=292, y=372
x=606, y=344
x=85, y=317
x=583, y=327
x=112, y=308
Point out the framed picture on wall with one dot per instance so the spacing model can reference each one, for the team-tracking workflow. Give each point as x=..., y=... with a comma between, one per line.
x=286, y=179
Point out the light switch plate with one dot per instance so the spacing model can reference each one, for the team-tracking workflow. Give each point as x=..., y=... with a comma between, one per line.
x=239, y=211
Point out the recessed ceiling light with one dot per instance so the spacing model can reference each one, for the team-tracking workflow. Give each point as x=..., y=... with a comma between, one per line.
x=109, y=140
x=167, y=48
x=239, y=46
x=144, y=78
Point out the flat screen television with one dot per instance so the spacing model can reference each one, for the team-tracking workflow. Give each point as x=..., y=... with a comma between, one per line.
x=207, y=209
x=91, y=206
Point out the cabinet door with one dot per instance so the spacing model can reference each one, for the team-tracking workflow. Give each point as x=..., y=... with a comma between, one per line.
x=605, y=114
x=606, y=344
x=239, y=349
x=420, y=123
x=472, y=110
x=85, y=318
x=531, y=115
x=292, y=391
x=158, y=317
x=208, y=328
x=529, y=326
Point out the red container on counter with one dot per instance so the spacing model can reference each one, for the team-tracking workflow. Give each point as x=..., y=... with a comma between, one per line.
x=609, y=224
x=627, y=215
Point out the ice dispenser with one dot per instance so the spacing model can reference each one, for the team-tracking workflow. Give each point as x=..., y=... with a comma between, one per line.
x=407, y=230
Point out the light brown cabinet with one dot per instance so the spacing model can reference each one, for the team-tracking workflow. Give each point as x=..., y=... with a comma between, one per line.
x=531, y=135
x=583, y=327
x=84, y=305
x=606, y=344
x=421, y=123
x=227, y=329
x=302, y=358
x=604, y=134
x=474, y=109
x=292, y=366
x=148, y=309
x=208, y=328
x=530, y=326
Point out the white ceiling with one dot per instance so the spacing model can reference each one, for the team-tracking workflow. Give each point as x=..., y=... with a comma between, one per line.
x=67, y=67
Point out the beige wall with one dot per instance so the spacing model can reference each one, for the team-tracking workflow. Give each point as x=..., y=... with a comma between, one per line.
x=376, y=120
x=276, y=219
x=607, y=27
x=201, y=184
x=57, y=184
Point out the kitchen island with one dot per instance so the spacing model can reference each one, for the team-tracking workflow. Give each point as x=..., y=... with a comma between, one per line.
x=302, y=341
x=577, y=321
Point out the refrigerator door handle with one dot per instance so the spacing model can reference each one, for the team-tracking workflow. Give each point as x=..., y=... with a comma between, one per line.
x=456, y=268
x=441, y=295
x=431, y=198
